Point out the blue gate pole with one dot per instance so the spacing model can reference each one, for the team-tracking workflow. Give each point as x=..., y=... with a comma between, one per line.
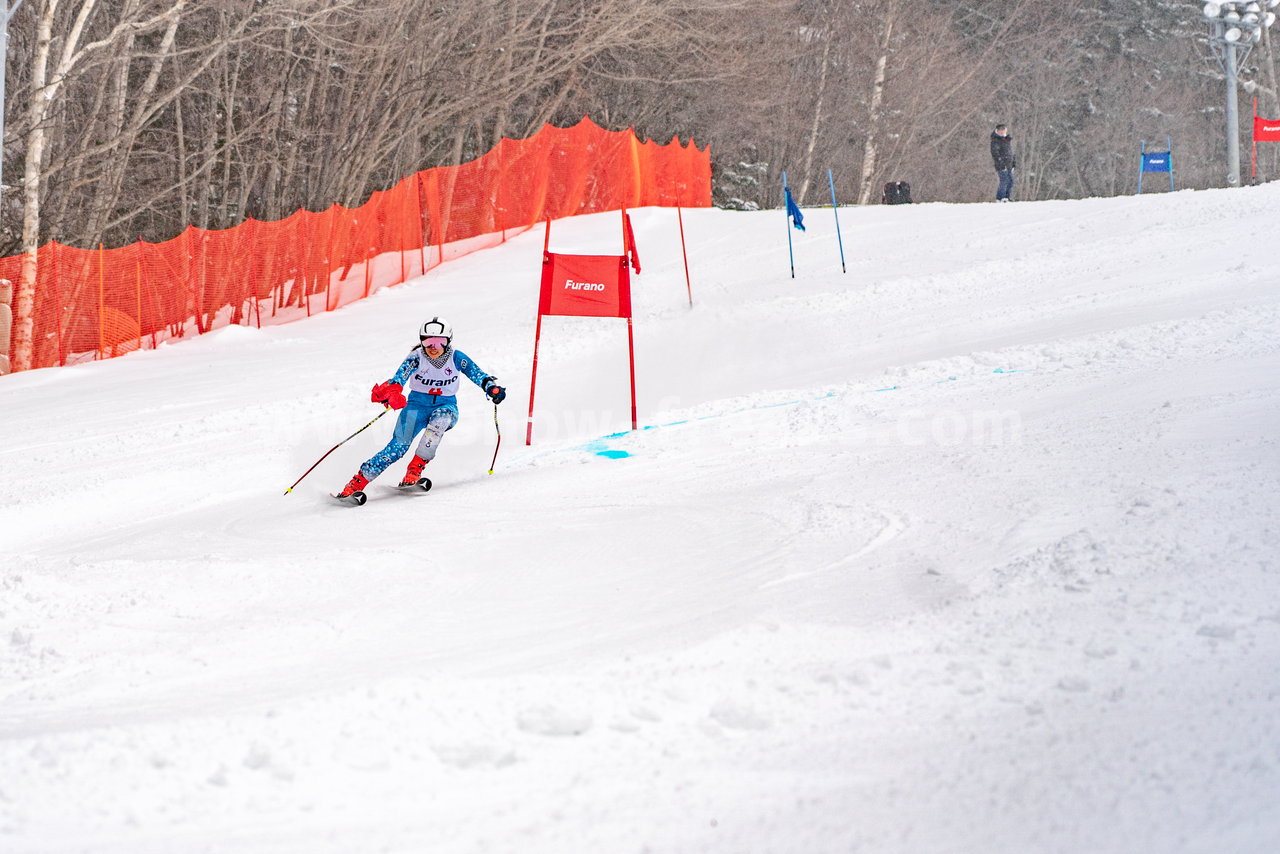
x=787, y=214
x=1169, y=140
x=1142, y=165
x=835, y=209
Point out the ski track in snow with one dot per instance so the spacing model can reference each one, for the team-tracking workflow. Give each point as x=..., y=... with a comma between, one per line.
x=973, y=548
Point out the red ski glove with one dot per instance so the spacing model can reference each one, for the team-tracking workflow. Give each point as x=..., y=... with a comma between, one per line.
x=389, y=394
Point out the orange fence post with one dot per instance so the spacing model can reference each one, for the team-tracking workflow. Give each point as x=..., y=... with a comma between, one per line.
x=400, y=234
x=142, y=248
x=331, y=251
x=102, y=297
x=306, y=261
x=57, y=295
x=253, y=271
x=439, y=219
x=137, y=291
x=633, y=143
x=421, y=237
x=369, y=254
x=500, y=212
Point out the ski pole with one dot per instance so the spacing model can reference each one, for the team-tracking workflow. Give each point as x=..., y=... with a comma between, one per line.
x=499, y=445
x=339, y=445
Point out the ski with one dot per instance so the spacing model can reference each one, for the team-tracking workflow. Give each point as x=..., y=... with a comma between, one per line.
x=356, y=499
x=422, y=485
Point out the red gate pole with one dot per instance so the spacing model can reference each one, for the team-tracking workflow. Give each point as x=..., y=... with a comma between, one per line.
x=533, y=379
x=631, y=352
x=1253, y=169
x=687, y=284
x=537, y=334
x=624, y=303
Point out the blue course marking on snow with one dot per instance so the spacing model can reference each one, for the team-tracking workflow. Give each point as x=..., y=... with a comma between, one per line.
x=601, y=447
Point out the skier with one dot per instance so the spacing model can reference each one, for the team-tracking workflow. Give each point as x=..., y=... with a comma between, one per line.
x=432, y=371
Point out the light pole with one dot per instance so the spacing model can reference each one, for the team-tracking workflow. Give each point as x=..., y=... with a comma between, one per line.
x=1237, y=27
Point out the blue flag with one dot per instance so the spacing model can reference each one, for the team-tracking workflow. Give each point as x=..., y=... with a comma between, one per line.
x=1161, y=161
x=793, y=211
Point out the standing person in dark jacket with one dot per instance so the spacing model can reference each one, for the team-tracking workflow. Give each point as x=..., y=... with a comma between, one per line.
x=1004, y=160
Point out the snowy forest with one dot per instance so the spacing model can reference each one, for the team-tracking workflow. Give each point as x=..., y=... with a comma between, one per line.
x=131, y=119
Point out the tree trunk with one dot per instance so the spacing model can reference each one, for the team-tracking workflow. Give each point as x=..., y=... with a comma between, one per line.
x=869, y=153
x=817, y=120
x=24, y=316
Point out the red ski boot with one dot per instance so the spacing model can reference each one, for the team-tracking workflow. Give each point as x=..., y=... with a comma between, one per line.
x=356, y=484
x=414, y=472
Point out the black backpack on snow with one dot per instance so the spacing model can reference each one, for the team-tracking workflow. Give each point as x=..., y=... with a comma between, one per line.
x=896, y=193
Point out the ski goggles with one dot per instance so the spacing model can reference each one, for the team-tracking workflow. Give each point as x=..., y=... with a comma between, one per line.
x=435, y=341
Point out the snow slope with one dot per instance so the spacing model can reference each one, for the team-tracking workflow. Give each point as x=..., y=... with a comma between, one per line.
x=972, y=548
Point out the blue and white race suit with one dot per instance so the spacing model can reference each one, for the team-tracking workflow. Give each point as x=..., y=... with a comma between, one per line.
x=432, y=407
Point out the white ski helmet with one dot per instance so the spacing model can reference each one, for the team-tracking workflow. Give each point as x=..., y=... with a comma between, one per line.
x=436, y=327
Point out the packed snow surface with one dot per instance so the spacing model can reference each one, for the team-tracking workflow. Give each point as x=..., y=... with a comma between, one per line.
x=971, y=548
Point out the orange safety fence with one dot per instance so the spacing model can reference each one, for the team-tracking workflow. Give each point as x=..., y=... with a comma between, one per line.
x=104, y=302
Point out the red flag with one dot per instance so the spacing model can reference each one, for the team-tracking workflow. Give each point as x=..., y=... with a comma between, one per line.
x=585, y=285
x=629, y=242
x=1266, y=130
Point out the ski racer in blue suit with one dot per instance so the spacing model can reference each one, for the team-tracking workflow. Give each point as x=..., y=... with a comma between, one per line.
x=431, y=372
